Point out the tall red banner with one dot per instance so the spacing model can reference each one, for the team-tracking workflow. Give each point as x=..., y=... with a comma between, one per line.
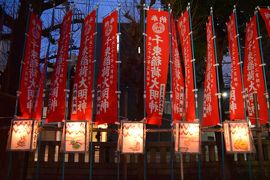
x=157, y=56
x=253, y=74
x=185, y=40
x=236, y=96
x=57, y=99
x=106, y=111
x=210, y=99
x=82, y=87
x=178, y=87
x=265, y=13
x=30, y=69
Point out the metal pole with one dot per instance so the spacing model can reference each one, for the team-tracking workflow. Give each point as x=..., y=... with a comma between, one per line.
x=219, y=95
x=170, y=77
x=93, y=98
x=19, y=85
x=195, y=84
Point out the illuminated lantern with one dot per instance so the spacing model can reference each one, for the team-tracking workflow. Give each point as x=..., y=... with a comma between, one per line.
x=23, y=135
x=187, y=137
x=75, y=137
x=132, y=137
x=238, y=138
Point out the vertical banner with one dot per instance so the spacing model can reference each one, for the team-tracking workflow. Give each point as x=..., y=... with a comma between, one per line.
x=106, y=111
x=57, y=99
x=157, y=56
x=253, y=74
x=185, y=40
x=30, y=69
x=210, y=99
x=178, y=86
x=265, y=13
x=82, y=87
x=236, y=96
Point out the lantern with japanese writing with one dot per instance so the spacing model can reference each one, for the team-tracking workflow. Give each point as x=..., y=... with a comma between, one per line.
x=238, y=138
x=23, y=135
x=187, y=137
x=75, y=137
x=132, y=137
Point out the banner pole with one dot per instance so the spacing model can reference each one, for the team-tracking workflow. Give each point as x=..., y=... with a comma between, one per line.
x=93, y=98
x=144, y=89
x=170, y=93
x=195, y=84
x=44, y=92
x=19, y=84
x=262, y=60
x=242, y=81
x=219, y=96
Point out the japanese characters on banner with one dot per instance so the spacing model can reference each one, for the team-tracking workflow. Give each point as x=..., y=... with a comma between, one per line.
x=157, y=55
x=178, y=86
x=253, y=75
x=30, y=69
x=82, y=97
x=106, y=104
x=57, y=99
x=185, y=40
x=265, y=13
x=210, y=99
x=236, y=96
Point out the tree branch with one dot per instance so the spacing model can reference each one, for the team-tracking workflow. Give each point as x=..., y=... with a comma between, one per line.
x=8, y=20
x=50, y=4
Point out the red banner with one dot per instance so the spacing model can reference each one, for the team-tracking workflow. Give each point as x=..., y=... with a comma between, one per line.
x=30, y=69
x=157, y=55
x=185, y=40
x=82, y=87
x=210, y=99
x=178, y=86
x=57, y=99
x=265, y=13
x=106, y=111
x=236, y=96
x=253, y=74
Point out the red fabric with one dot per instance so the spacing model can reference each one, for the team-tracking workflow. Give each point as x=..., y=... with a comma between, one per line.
x=57, y=99
x=265, y=13
x=107, y=77
x=184, y=30
x=178, y=86
x=253, y=74
x=157, y=55
x=81, y=108
x=236, y=96
x=30, y=68
x=210, y=99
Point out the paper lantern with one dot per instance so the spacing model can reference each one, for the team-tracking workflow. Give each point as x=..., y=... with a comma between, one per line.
x=75, y=137
x=23, y=135
x=238, y=138
x=132, y=137
x=187, y=137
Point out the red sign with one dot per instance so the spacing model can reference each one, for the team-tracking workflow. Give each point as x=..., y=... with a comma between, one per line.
x=82, y=87
x=184, y=34
x=210, y=100
x=57, y=99
x=157, y=55
x=236, y=96
x=178, y=87
x=253, y=74
x=30, y=69
x=106, y=111
x=265, y=13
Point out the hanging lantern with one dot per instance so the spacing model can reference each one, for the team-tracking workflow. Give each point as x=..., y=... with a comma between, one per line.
x=23, y=135
x=131, y=137
x=238, y=138
x=75, y=137
x=187, y=137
